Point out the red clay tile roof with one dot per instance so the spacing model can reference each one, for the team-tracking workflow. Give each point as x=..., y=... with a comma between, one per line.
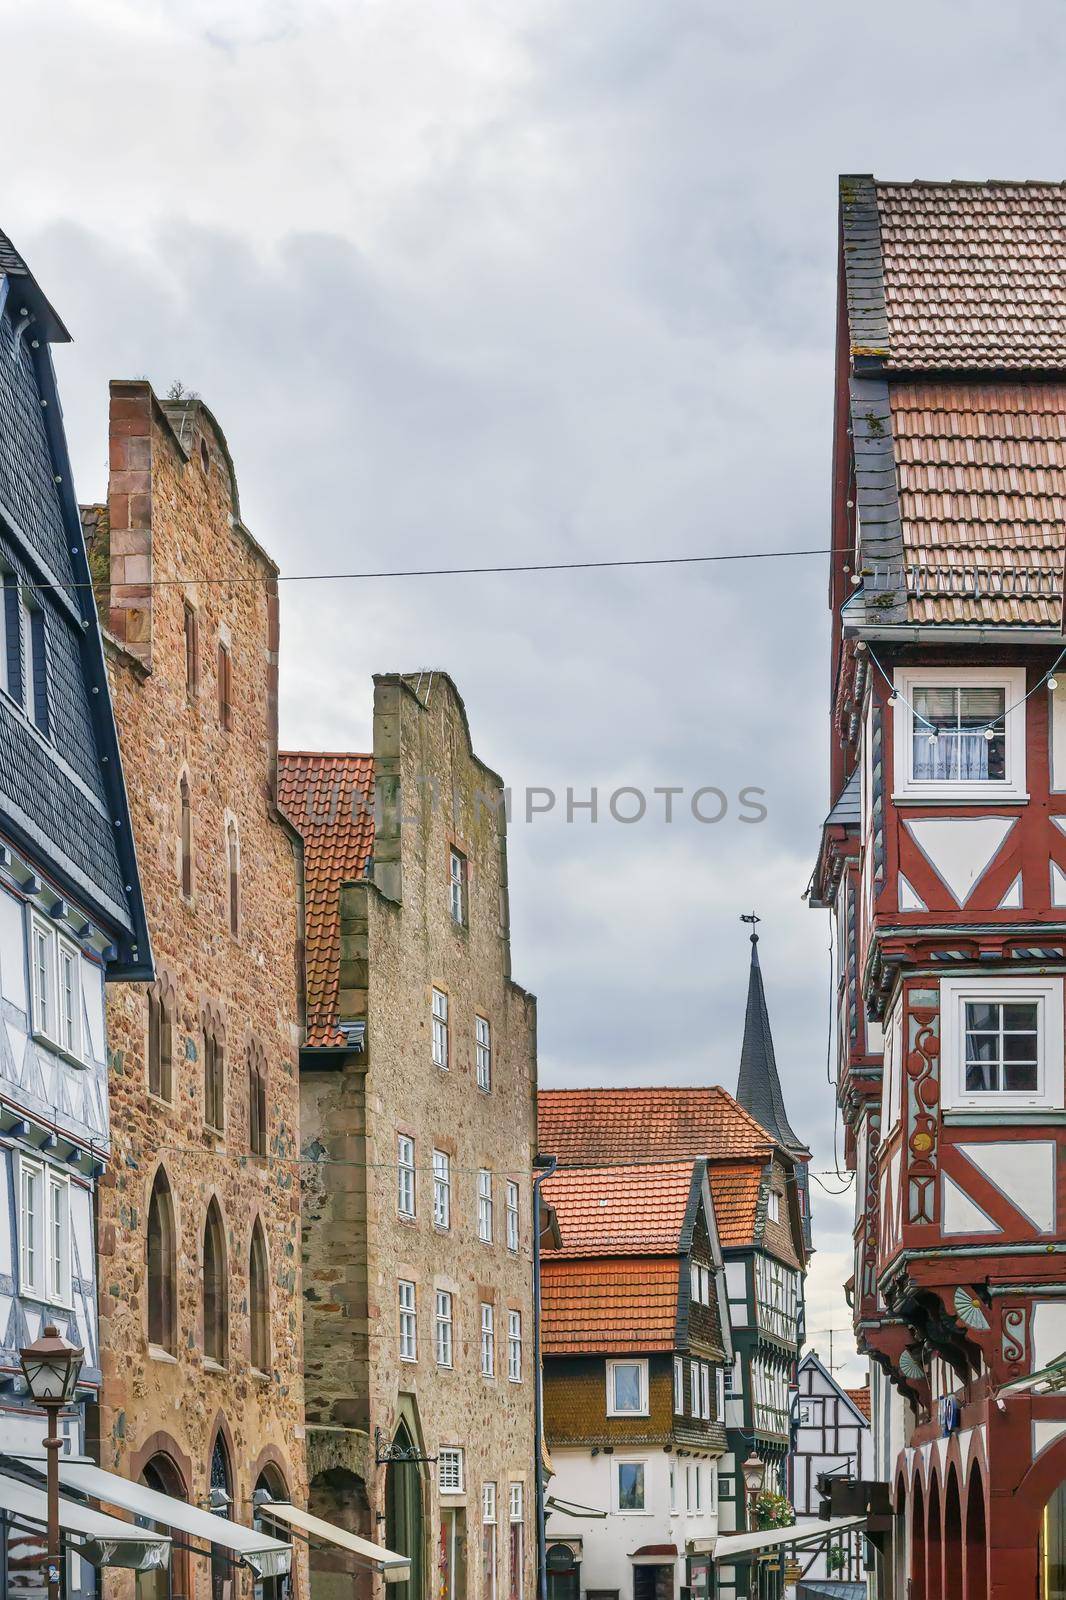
x=974, y=274
x=735, y=1195
x=599, y=1127
x=861, y=1399
x=614, y=1305
x=607, y=1211
x=982, y=499
x=329, y=798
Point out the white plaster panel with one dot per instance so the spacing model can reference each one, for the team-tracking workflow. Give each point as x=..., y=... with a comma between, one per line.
x=960, y=849
x=1049, y=1332
x=1025, y=1171
x=7, y=1243
x=1046, y=1432
x=909, y=900
x=12, y=950
x=1058, y=885
x=1012, y=900
x=1058, y=738
x=960, y=1214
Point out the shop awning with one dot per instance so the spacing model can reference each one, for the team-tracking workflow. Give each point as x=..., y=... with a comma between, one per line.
x=104, y=1541
x=654, y=1555
x=570, y=1508
x=735, y=1546
x=267, y=1557
x=394, y=1568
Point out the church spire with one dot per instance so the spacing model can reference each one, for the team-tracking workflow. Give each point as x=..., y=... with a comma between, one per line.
x=759, y=1087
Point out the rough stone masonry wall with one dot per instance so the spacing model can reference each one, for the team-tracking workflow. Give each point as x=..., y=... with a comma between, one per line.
x=172, y=513
x=398, y=941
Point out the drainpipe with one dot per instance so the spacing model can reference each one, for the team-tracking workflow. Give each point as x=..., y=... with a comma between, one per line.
x=546, y=1166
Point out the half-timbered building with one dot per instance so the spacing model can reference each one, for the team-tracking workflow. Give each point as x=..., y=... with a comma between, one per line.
x=944, y=860
x=71, y=913
x=757, y=1184
x=635, y=1346
x=831, y=1435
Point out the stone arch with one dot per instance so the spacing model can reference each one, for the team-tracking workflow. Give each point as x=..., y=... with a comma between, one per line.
x=934, y=1542
x=338, y=1494
x=160, y=1469
x=918, y=1541
x=975, y=1538
x=952, y=1534
x=223, y=1493
x=259, y=1344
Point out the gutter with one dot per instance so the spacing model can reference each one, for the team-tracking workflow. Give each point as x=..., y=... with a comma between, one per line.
x=546, y=1165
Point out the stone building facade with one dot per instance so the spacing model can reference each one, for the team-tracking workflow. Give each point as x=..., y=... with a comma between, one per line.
x=199, y=1213
x=418, y=1107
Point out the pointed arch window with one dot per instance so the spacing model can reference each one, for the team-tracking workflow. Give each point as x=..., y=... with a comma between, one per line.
x=160, y=1045
x=257, y=1103
x=214, y=1077
x=215, y=1303
x=225, y=688
x=162, y=1267
x=233, y=867
x=259, y=1300
x=192, y=651
x=186, y=838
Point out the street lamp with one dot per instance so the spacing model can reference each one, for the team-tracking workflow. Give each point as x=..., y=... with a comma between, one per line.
x=52, y=1366
x=754, y=1470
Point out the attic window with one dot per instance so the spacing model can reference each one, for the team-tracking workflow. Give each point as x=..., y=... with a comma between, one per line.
x=205, y=455
x=773, y=1206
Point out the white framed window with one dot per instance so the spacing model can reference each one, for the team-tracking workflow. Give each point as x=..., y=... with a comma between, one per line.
x=690, y=1498
x=679, y=1387
x=59, y=1285
x=719, y=1391
x=712, y=1485
x=513, y=1236
x=941, y=718
x=44, y=1232
x=514, y=1346
x=408, y=1321
x=694, y=1388
x=484, y=1205
x=450, y=1478
x=627, y=1388
x=1002, y=1042
x=705, y=1391
x=405, y=1175
x=672, y=1471
x=444, y=1328
x=31, y=1228
x=488, y=1340
x=516, y=1503
x=457, y=886
x=439, y=1010
x=699, y=1487
x=442, y=1189
x=700, y=1278
x=483, y=1052
x=629, y=1480
x=56, y=972
x=488, y=1541
x=773, y=1206
x=488, y=1502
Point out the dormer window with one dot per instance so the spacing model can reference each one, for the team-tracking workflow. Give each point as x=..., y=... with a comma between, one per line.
x=959, y=733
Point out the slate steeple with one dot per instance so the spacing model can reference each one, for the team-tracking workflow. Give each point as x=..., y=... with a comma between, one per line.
x=759, y=1086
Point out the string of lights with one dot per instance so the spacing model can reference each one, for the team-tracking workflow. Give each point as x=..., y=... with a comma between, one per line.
x=987, y=729
x=242, y=579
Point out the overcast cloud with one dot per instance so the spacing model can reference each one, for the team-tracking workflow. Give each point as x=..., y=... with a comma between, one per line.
x=518, y=280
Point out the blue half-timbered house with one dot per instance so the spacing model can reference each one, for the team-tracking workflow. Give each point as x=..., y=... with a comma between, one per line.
x=71, y=915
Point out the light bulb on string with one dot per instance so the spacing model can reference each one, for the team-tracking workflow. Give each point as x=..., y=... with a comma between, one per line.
x=990, y=734
x=1053, y=684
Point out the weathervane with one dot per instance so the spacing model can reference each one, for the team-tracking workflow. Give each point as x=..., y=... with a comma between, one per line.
x=753, y=919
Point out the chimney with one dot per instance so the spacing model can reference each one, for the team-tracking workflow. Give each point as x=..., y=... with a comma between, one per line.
x=129, y=504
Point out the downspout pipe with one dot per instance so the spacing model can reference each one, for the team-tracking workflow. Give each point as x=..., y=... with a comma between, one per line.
x=545, y=1166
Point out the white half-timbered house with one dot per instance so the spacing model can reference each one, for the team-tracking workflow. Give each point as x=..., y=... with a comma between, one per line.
x=831, y=1434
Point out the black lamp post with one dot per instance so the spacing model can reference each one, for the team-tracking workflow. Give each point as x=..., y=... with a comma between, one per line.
x=52, y=1366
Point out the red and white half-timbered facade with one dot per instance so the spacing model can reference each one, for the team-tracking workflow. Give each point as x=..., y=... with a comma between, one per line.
x=943, y=862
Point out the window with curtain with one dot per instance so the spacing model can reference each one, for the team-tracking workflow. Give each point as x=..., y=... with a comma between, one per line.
x=949, y=741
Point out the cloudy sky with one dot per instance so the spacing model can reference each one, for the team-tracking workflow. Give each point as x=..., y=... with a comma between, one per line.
x=481, y=281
